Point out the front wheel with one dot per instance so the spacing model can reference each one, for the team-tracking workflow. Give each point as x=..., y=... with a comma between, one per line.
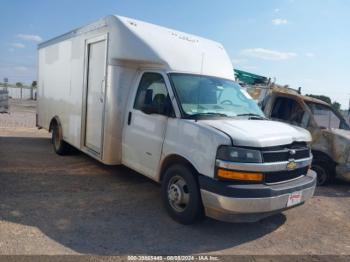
x=181, y=195
x=324, y=172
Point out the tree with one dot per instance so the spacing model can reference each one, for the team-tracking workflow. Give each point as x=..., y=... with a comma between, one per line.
x=327, y=99
x=336, y=105
x=19, y=84
x=34, y=84
x=321, y=97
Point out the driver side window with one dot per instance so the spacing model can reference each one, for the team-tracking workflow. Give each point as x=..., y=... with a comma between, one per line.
x=288, y=110
x=152, y=94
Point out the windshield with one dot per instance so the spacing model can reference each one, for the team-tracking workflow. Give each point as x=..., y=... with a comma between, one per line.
x=325, y=117
x=205, y=95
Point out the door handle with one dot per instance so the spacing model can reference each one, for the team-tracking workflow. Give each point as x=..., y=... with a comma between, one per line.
x=102, y=86
x=102, y=90
x=129, y=118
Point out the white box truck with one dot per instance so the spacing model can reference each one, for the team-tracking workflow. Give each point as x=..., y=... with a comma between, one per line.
x=165, y=104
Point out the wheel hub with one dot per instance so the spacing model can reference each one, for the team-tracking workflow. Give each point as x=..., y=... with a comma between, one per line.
x=175, y=193
x=178, y=194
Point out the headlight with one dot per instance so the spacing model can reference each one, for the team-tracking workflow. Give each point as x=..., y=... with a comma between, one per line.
x=237, y=154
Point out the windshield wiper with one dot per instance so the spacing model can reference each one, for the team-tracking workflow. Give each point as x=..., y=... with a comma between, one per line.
x=198, y=115
x=253, y=116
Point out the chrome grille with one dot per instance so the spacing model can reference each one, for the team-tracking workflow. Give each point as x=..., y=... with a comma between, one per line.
x=283, y=176
x=285, y=154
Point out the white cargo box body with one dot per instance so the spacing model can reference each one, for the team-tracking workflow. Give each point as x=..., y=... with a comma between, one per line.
x=108, y=55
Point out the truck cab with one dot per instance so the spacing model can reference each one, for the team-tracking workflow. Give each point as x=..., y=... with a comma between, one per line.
x=204, y=134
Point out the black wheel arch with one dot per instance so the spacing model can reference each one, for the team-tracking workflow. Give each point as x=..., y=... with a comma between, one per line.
x=322, y=156
x=324, y=160
x=55, y=121
x=326, y=165
x=172, y=160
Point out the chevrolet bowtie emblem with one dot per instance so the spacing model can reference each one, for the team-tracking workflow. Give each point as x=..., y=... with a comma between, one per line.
x=291, y=165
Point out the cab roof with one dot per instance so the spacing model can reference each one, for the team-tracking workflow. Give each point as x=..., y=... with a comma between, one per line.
x=292, y=92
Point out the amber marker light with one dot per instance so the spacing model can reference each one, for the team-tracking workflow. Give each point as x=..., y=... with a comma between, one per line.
x=239, y=175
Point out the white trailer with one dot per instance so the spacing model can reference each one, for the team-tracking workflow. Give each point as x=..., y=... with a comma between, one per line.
x=164, y=103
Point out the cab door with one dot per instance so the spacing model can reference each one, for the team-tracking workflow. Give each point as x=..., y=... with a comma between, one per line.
x=146, y=124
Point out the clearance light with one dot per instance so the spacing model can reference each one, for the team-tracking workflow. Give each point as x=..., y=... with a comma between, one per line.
x=238, y=175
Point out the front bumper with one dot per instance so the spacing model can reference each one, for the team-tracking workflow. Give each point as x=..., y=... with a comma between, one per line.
x=230, y=202
x=343, y=171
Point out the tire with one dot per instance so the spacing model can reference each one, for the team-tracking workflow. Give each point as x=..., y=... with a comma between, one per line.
x=59, y=146
x=324, y=170
x=186, y=206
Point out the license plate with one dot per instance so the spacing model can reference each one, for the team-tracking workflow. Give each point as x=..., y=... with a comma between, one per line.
x=294, y=198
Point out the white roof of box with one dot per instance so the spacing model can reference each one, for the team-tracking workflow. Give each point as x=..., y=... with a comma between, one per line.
x=141, y=42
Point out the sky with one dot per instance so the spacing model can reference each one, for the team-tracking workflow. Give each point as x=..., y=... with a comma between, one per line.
x=296, y=42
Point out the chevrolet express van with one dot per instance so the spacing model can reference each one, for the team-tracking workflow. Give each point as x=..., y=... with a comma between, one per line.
x=165, y=104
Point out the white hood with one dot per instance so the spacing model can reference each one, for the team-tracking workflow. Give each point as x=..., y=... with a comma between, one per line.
x=259, y=133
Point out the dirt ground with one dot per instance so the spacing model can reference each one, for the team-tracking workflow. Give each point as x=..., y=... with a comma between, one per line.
x=73, y=205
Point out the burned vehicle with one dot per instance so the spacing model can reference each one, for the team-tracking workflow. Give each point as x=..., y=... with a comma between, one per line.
x=330, y=131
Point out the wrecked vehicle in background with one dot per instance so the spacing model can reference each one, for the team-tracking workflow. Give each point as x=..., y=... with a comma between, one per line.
x=329, y=130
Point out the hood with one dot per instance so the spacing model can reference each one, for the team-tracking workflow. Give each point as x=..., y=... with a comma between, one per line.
x=345, y=134
x=259, y=133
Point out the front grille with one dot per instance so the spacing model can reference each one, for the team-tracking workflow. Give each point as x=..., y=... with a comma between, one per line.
x=280, y=176
x=285, y=153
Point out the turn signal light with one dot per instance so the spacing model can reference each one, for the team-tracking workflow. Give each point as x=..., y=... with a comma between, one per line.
x=238, y=175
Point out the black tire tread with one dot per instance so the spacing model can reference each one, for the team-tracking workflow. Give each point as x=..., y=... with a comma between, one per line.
x=64, y=148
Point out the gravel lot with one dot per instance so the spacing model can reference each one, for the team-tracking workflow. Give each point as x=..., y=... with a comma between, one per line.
x=74, y=205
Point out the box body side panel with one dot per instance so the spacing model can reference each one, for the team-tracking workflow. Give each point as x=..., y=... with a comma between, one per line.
x=61, y=80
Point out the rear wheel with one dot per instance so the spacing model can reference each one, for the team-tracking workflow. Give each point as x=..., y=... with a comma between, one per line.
x=181, y=195
x=59, y=146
